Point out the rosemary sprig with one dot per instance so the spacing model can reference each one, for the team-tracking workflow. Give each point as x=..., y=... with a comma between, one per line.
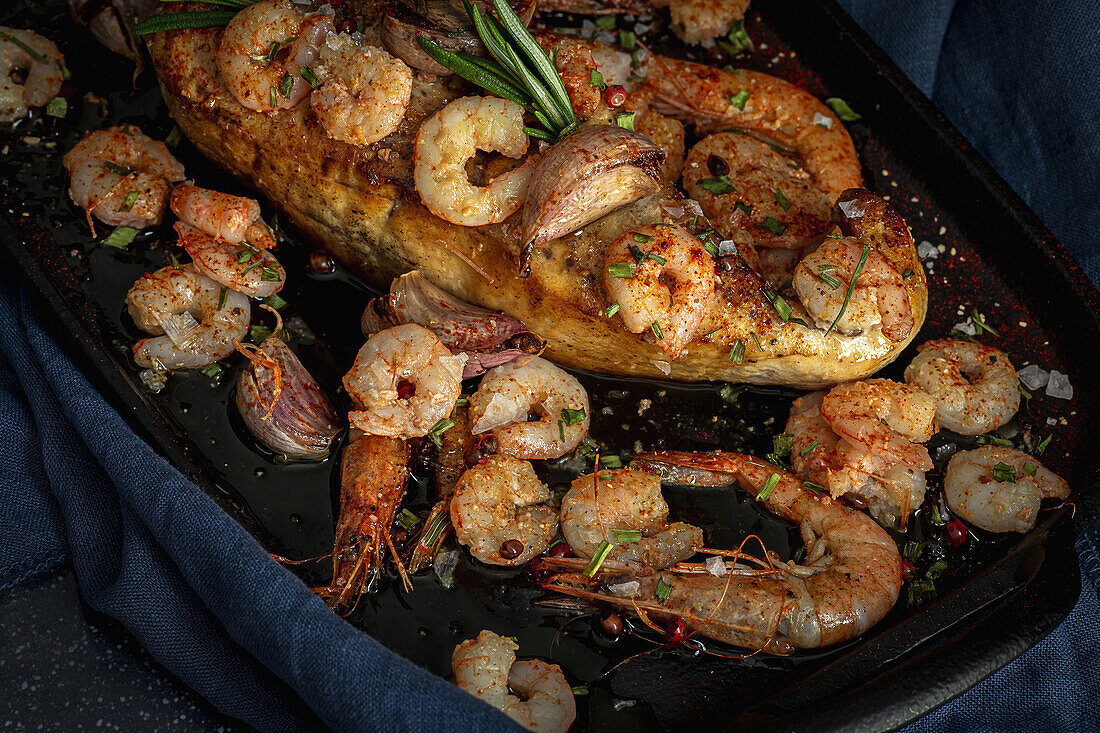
x=179, y=21
x=520, y=70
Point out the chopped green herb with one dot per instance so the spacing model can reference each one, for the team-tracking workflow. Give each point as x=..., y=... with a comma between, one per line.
x=270, y=274
x=980, y=325
x=906, y=274
x=773, y=225
x=626, y=120
x=662, y=591
x=729, y=394
x=738, y=100
x=222, y=296
x=1004, y=473
x=274, y=301
x=1024, y=393
x=757, y=340
x=310, y=77
x=935, y=570
x=842, y=110
x=737, y=353
x=1030, y=468
x=912, y=551
x=769, y=486
x=605, y=22
x=571, y=416
x=962, y=336
x=828, y=279
x=118, y=170
x=121, y=237
x=57, y=107
x=627, y=535
x=815, y=488
x=128, y=201
x=1042, y=447
x=285, y=85
x=580, y=690
x=35, y=55
x=462, y=401
x=436, y=433
x=611, y=310
x=782, y=307
x=782, y=200
x=174, y=137
x=621, y=269
x=851, y=287
x=407, y=520
x=595, y=79
x=806, y=451
x=937, y=518
x=656, y=329
x=626, y=40
x=781, y=449
x=741, y=206
x=994, y=440
x=712, y=331
x=272, y=100
x=718, y=185
x=597, y=560
x=214, y=371
x=737, y=38
x=561, y=430
x=611, y=462
x=641, y=238
x=259, y=333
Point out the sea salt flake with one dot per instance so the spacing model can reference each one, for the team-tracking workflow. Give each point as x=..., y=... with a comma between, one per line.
x=1058, y=386
x=927, y=251
x=726, y=247
x=966, y=327
x=1034, y=377
x=444, y=566
x=1051, y=421
x=851, y=209
x=822, y=120
x=628, y=589
x=716, y=566
x=664, y=366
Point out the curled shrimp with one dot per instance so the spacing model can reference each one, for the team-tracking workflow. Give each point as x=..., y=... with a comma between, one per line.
x=775, y=109
x=242, y=267
x=754, y=194
x=200, y=319
x=38, y=58
x=499, y=511
x=879, y=297
x=508, y=394
x=404, y=381
x=261, y=52
x=851, y=577
x=882, y=418
x=121, y=176
x=449, y=138
x=486, y=667
x=600, y=506
x=663, y=280
x=975, y=386
x=699, y=21
x=574, y=64
x=234, y=219
x=999, y=489
x=364, y=91
x=891, y=491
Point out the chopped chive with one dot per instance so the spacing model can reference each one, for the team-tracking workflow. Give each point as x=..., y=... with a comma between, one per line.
x=1004, y=473
x=462, y=401
x=757, y=340
x=611, y=462
x=912, y=551
x=828, y=279
x=118, y=170
x=605, y=22
x=128, y=201
x=274, y=301
x=782, y=307
x=269, y=274
x=57, y=107
x=611, y=310
x=1042, y=447
x=1023, y=393
x=851, y=287
x=773, y=225
x=626, y=40
x=561, y=430
x=662, y=590
x=174, y=137
x=571, y=416
x=737, y=38
x=842, y=110
x=642, y=238
x=597, y=560
x=937, y=517
x=627, y=535
x=980, y=325
x=272, y=100
x=435, y=434
x=35, y=55
x=580, y=689
x=737, y=353
x=741, y=206
x=738, y=100
x=212, y=370
x=1030, y=468
x=595, y=79
x=121, y=237
x=815, y=488
x=718, y=185
x=729, y=394
x=407, y=520
x=656, y=331
x=712, y=331
x=621, y=269
x=806, y=451
x=310, y=77
x=781, y=449
x=782, y=200
x=994, y=440
x=626, y=120
x=285, y=85
x=259, y=333
x=222, y=296
x=769, y=486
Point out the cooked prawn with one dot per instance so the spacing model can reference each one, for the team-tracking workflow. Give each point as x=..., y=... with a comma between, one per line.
x=261, y=53
x=975, y=386
x=574, y=63
x=882, y=418
x=201, y=319
x=121, y=176
x=242, y=267
x=404, y=381
x=234, y=219
x=499, y=511
x=508, y=394
x=879, y=298
x=850, y=580
x=754, y=194
x=999, y=489
x=364, y=91
x=486, y=668
x=891, y=491
x=667, y=134
x=663, y=280
x=38, y=58
x=449, y=138
x=699, y=21
x=599, y=506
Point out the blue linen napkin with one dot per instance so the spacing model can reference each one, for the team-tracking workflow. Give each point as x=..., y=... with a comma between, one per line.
x=153, y=551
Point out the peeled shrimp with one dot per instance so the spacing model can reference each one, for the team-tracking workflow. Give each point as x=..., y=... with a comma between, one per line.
x=405, y=382
x=251, y=60
x=449, y=138
x=890, y=490
x=668, y=287
x=975, y=386
x=879, y=297
x=486, y=668
x=574, y=64
x=882, y=418
x=498, y=510
x=850, y=579
x=242, y=267
x=364, y=91
x=509, y=394
x=121, y=176
x=189, y=307
x=774, y=201
x=234, y=219
x=1005, y=501
x=699, y=21
x=599, y=504
x=43, y=65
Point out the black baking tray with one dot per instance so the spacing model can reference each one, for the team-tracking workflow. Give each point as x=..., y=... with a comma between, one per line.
x=998, y=600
